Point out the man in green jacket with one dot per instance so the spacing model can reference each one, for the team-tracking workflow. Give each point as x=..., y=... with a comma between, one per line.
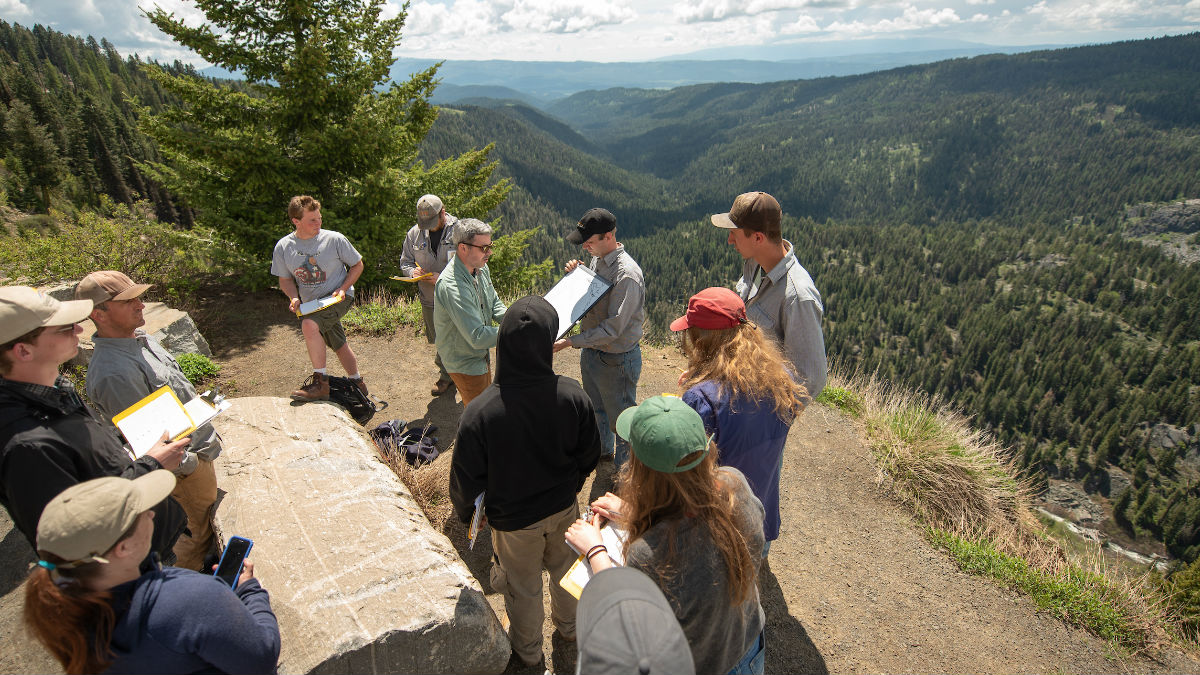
x=466, y=310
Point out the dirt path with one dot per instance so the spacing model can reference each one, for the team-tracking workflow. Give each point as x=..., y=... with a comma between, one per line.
x=851, y=585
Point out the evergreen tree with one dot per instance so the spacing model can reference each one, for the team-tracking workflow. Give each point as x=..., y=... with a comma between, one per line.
x=313, y=121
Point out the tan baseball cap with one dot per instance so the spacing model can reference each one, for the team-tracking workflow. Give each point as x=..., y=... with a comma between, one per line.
x=108, y=285
x=86, y=520
x=754, y=211
x=429, y=207
x=23, y=308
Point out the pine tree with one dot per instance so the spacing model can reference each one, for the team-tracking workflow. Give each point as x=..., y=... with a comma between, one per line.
x=315, y=121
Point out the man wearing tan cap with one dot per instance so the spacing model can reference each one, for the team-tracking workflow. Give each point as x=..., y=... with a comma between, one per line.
x=780, y=295
x=49, y=439
x=428, y=248
x=127, y=366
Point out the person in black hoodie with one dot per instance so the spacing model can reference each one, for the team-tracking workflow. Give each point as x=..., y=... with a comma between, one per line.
x=529, y=440
x=49, y=439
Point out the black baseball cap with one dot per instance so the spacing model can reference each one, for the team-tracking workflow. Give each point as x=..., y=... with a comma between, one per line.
x=595, y=221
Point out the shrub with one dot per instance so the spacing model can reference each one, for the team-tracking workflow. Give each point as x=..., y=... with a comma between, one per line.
x=381, y=313
x=843, y=399
x=197, y=367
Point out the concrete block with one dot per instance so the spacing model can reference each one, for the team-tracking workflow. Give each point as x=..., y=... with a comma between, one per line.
x=358, y=578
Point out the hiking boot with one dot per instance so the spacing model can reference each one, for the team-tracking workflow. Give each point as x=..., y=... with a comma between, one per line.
x=441, y=387
x=362, y=386
x=316, y=388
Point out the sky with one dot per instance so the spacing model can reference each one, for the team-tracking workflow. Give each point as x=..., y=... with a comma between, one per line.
x=640, y=30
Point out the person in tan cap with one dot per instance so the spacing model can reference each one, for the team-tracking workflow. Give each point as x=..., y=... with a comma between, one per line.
x=780, y=295
x=128, y=365
x=428, y=248
x=49, y=439
x=90, y=604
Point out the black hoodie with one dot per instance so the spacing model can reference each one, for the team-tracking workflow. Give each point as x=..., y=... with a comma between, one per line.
x=530, y=439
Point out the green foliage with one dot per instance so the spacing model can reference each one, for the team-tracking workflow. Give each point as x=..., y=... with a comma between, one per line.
x=844, y=399
x=1078, y=597
x=1183, y=589
x=381, y=313
x=60, y=247
x=315, y=119
x=197, y=368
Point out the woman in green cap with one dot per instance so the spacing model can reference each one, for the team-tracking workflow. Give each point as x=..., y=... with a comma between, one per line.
x=88, y=602
x=694, y=528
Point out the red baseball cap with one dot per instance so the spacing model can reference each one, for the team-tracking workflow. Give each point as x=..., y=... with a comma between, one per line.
x=712, y=309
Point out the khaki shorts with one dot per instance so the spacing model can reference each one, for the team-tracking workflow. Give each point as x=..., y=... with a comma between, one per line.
x=329, y=322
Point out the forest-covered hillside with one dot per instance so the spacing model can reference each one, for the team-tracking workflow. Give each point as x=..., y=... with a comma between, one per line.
x=964, y=221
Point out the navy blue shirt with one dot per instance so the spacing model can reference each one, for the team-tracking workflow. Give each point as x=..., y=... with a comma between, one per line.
x=750, y=438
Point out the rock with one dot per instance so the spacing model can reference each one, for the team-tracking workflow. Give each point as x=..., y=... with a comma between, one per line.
x=358, y=578
x=1118, y=482
x=173, y=328
x=1071, y=502
x=1167, y=436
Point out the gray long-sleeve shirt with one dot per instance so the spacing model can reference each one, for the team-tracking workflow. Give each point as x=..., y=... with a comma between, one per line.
x=786, y=303
x=614, y=325
x=418, y=252
x=123, y=371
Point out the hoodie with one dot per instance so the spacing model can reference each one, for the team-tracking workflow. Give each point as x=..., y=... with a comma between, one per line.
x=530, y=439
x=179, y=621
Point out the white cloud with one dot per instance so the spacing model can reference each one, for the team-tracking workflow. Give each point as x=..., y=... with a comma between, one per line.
x=1099, y=15
x=803, y=25
x=477, y=18
x=14, y=10
x=981, y=2
x=719, y=10
x=911, y=19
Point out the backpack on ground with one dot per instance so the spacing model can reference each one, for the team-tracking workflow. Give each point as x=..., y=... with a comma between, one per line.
x=344, y=392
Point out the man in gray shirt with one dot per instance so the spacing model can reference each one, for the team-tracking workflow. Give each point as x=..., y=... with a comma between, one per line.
x=127, y=365
x=312, y=264
x=428, y=247
x=611, y=332
x=779, y=294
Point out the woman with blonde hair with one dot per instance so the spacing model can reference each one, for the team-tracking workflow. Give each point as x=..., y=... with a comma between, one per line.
x=693, y=528
x=743, y=389
x=90, y=605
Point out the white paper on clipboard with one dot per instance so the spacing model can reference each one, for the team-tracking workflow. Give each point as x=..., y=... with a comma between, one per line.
x=574, y=295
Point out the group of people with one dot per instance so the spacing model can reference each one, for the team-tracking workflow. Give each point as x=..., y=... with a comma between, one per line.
x=697, y=488
x=698, y=473
x=102, y=520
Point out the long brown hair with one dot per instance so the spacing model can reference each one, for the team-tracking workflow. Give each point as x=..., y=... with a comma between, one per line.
x=654, y=497
x=71, y=620
x=744, y=364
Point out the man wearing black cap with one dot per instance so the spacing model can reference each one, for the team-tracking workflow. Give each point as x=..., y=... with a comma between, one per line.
x=428, y=248
x=49, y=439
x=780, y=295
x=610, y=333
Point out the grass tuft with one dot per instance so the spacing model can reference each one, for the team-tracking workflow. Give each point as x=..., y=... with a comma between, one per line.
x=379, y=312
x=429, y=484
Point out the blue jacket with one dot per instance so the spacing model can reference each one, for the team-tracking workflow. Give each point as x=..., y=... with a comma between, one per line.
x=180, y=621
x=749, y=437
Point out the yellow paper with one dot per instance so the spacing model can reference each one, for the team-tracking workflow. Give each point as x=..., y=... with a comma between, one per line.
x=413, y=279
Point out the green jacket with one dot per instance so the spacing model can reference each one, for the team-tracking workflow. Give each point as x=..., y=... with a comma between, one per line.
x=466, y=317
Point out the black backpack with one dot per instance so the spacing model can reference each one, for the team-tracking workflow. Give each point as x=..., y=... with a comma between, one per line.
x=344, y=392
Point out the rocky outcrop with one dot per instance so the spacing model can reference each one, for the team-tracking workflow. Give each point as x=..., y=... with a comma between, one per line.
x=358, y=578
x=1071, y=502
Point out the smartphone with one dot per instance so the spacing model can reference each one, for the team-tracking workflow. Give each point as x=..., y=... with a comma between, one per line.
x=230, y=568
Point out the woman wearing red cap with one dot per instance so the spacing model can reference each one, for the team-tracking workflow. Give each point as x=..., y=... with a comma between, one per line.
x=739, y=382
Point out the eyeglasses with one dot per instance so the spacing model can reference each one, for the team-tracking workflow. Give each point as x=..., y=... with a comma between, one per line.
x=486, y=248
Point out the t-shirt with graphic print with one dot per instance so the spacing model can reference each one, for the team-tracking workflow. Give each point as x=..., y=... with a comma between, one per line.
x=318, y=265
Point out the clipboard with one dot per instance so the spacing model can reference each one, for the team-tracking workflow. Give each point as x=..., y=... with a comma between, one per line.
x=317, y=305
x=144, y=422
x=476, y=522
x=575, y=294
x=412, y=279
x=581, y=572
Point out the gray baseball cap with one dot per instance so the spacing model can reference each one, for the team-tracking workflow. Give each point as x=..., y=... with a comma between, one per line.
x=429, y=207
x=625, y=625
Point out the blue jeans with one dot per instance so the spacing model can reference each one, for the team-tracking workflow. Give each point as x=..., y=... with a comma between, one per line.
x=610, y=380
x=752, y=662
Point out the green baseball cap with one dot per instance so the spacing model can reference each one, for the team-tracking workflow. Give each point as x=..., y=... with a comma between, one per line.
x=663, y=430
x=87, y=519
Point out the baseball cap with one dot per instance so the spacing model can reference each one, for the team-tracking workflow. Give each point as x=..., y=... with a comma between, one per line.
x=755, y=211
x=23, y=308
x=108, y=285
x=86, y=519
x=429, y=208
x=663, y=430
x=712, y=309
x=595, y=221
x=625, y=625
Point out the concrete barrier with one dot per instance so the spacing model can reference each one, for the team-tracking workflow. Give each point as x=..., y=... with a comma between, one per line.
x=358, y=578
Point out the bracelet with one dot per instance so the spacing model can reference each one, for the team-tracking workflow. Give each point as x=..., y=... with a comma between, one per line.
x=591, y=553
